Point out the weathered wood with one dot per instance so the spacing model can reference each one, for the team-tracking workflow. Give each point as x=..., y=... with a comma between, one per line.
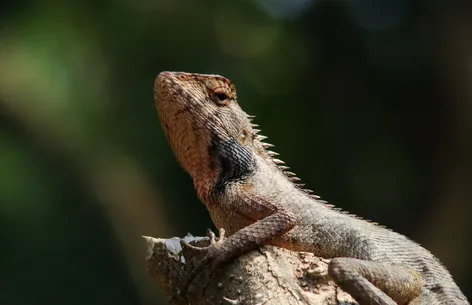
x=269, y=275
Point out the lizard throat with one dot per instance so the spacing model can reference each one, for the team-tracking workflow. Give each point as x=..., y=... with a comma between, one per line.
x=234, y=161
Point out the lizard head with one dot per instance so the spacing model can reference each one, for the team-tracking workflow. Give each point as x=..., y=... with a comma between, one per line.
x=211, y=136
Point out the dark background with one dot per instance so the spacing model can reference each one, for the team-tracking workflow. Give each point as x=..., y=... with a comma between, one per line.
x=369, y=102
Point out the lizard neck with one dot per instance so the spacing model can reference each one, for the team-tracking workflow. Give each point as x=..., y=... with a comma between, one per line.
x=228, y=162
x=204, y=176
x=204, y=185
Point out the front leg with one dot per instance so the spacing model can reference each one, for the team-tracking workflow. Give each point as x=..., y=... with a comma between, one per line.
x=271, y=221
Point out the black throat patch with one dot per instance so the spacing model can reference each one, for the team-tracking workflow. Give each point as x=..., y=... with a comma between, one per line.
x=235, y=162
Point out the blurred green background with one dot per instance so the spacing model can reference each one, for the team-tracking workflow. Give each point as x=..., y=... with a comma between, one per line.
x=369, y=102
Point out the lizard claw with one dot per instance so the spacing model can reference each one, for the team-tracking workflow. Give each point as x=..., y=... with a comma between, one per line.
x=221, y=236
x=213, y=252
x=213, y=241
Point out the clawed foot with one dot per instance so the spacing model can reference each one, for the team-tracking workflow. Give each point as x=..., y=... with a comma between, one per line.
x=213, y=241
x=212, y=257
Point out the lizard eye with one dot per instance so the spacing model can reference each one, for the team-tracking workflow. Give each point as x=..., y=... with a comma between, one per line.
x=221, y=98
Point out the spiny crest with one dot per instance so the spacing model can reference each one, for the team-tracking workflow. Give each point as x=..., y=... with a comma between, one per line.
x=292, y=176
x=279, y=163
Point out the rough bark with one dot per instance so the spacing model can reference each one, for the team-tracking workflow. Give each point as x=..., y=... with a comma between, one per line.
x=269, y=275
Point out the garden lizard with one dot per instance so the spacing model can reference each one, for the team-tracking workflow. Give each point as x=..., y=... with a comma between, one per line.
x=257, y=201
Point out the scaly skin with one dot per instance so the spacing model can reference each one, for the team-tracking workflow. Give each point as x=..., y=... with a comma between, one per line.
x=257, y=201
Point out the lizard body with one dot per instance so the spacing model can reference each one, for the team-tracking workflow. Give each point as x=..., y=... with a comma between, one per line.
x=258, y=201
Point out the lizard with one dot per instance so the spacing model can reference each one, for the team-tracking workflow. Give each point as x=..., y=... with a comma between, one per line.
x=254, y=198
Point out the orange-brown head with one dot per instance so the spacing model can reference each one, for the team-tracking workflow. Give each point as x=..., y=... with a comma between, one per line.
x=204, y=124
